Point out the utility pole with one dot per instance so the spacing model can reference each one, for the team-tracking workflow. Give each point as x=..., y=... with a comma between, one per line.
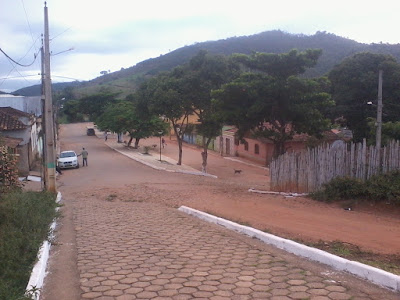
x=42, y=102
x=49, y=152
x=379, y=114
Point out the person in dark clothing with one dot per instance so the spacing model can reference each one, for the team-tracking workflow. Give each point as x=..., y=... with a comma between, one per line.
x=58, y=169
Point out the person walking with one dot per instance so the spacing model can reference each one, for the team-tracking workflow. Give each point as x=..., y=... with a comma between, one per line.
x=84, y=154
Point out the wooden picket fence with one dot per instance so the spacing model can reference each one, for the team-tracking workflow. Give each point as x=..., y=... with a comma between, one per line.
x=307, y=171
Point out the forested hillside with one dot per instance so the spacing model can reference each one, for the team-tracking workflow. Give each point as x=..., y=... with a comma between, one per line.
x=335, y=49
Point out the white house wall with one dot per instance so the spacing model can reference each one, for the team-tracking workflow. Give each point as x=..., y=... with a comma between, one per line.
x=30, y=105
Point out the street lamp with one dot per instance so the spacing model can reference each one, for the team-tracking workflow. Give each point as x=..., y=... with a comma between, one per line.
x=160, y=133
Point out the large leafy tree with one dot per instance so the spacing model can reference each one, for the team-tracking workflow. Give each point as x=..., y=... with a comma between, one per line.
x=390, y=131
x=165, y=97
x=94, y=105
x=272, y=101
x=125, y=116
x=355, y=82
x=72, y=110
x=202, y=74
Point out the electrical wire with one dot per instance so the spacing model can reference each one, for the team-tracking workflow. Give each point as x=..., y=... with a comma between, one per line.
x=13, y=77
x=66, y=77
x=17, y=63
x=53, y=38
x=29, y=25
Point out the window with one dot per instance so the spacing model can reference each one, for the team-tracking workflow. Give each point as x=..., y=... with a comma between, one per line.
x=246, y=146
x=256, y=149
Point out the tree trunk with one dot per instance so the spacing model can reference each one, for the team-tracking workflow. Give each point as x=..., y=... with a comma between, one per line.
x=137, y=143
x=130, y=141
x=179, y=139
x=221, y=143
x=119, y=137
x=204, y=154
x=279, y=148
x=180, y=151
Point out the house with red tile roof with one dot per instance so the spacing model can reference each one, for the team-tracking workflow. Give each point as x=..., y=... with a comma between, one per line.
x=21, y=132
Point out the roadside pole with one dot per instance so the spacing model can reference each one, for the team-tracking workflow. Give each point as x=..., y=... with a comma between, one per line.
x=379, y=113
x=49, y=152
x=379, y=122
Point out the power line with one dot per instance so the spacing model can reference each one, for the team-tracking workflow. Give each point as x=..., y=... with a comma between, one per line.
x=17, y=63
x=60, y=33
x=66, y=77
x=27, y=21
x=13, y=77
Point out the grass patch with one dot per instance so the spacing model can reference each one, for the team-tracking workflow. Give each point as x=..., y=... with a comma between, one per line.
x=389, y=263
x=25, y=218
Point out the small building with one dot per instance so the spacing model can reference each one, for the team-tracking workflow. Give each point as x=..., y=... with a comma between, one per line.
x=25, y=129
x=31, y=105
x=261, y=150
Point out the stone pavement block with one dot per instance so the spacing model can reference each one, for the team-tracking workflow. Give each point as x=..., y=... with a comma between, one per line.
x=141, y=250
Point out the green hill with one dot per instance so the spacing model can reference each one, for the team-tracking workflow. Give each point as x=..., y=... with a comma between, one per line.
x=36, y=90
x=335, y=49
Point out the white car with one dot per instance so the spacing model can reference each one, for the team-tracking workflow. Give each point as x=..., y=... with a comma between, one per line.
x=68, y=159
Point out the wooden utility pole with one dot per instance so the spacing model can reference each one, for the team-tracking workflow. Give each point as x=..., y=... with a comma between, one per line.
x=50, y=158
x=379, y=114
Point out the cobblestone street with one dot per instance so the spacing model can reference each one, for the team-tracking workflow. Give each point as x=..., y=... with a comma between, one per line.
x=122, y=237
x=132, y=250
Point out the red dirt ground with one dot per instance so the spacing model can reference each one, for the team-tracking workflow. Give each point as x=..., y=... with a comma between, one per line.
x=374, y=228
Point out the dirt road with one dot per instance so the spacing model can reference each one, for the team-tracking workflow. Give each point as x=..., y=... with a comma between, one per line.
x=372, y=227
x=99, y=197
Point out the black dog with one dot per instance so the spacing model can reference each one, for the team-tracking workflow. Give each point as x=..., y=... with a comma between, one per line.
x=237, y=171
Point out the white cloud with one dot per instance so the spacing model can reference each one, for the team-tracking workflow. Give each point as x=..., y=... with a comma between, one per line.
x=121, y=33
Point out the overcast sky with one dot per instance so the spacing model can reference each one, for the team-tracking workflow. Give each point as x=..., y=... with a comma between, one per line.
x=110, y=35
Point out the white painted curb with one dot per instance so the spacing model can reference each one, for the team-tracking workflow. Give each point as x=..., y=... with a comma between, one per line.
x=38, y=274
x=244, y=162
x=372, y=274
x=164, y=169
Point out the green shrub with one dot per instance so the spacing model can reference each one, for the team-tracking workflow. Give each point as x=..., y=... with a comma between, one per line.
x=384, y=187
x=25, y=218
x=340, y=188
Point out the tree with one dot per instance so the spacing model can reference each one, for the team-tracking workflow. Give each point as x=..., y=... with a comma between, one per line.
x=166, y=99
x=124, y=116
x=200, y=76
x=94, y=105
x=271, y=101
x=355, y=82
x=390, y=131
x=72, y=110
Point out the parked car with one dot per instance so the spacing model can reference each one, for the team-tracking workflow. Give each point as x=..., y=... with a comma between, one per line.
x=90, y=131
x=68, y=159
